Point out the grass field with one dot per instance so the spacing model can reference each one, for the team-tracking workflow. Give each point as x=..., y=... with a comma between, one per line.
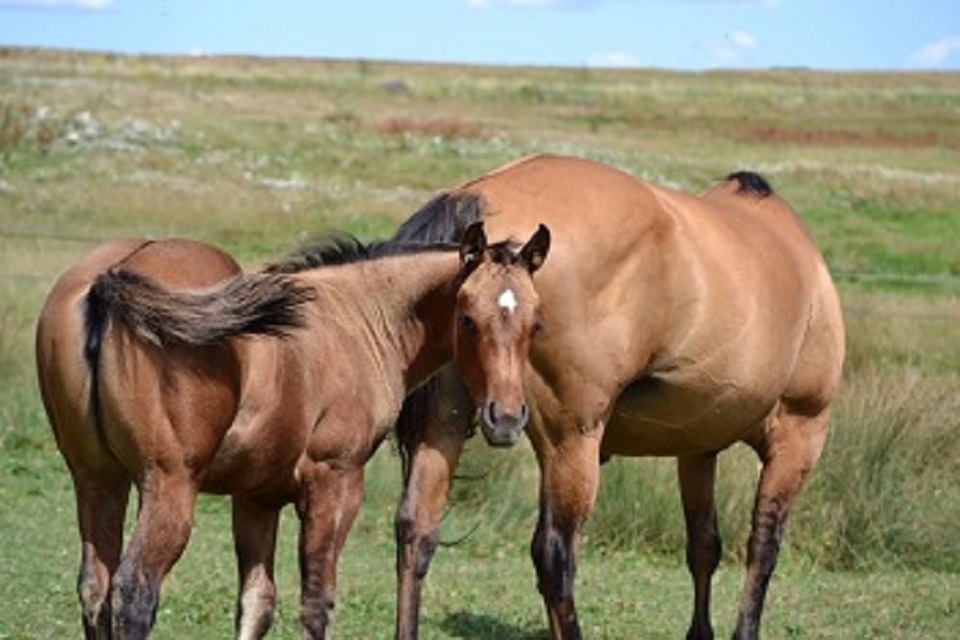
x=258, y=155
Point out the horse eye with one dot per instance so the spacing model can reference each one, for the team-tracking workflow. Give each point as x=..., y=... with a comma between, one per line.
x=468, y=325
x=537, y=329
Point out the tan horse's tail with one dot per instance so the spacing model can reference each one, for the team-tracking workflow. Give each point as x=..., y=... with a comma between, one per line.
x=748, y=183
x=256, y=304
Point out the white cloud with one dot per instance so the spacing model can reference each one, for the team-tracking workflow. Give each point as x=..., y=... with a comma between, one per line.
x=733, y=50
x=935, y=54
x=741, y=40
x=613, y=60
x=82, y=5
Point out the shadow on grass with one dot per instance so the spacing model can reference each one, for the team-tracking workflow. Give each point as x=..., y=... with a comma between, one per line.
x=464, y=624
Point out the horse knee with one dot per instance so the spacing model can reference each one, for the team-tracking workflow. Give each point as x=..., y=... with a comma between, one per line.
x=704, y=550
x=412, y=542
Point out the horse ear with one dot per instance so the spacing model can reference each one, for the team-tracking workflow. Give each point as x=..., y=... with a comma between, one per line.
x=535, y=251
x=473, y=243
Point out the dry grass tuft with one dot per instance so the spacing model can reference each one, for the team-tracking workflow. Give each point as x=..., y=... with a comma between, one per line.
x=445, y=128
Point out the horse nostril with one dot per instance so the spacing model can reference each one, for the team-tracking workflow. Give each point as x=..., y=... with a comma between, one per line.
x=503, y=429
x=494, y=417
x=490, y=413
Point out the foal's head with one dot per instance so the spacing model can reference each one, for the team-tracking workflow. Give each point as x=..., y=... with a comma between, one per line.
x=497, y=315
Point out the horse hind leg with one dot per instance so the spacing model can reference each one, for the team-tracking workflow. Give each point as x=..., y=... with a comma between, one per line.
x=328, y=505
x=697, y=476
x=101, y=507
x=789, y=453
x=255, y=541
x=159, y=538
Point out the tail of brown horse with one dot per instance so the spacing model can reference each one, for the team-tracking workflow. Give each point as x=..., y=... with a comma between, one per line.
x=256, y=304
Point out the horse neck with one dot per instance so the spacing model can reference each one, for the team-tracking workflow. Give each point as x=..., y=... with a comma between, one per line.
x=401, y=309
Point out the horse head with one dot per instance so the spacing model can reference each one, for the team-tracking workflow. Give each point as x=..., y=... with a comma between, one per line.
x=497, y=316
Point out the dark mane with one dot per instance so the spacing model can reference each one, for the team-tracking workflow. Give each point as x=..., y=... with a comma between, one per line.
x=338, y=248
x=437, y=226
x=443, y=219
x=751, y=184
x=334, y=248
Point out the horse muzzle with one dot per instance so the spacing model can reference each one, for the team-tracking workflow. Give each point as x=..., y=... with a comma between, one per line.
x=502, y=429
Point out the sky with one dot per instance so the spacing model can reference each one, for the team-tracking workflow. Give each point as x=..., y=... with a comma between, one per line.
x=670, y=34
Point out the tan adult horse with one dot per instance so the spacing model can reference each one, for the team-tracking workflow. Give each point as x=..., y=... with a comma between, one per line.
x=673, y=325
x=161, y=366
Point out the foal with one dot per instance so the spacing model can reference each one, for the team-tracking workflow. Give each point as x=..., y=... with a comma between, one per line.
x=161, y=366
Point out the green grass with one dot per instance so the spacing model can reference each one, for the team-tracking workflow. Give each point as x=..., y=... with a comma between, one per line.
x=259, y=155
x=473, y=591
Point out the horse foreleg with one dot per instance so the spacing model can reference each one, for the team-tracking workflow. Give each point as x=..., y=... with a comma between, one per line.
x=255, y=541
x=329, y=501
x=697, y=480
x=570, y=473
x=417, y=525
x=159, y=538
x=434, y=454
x=101, y=507
x=789, y=453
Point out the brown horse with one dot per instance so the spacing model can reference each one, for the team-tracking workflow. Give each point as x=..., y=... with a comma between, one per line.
x=673, y=325
x=162, y=366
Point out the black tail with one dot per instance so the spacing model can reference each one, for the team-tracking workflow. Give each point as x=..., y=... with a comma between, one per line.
x=256, y=304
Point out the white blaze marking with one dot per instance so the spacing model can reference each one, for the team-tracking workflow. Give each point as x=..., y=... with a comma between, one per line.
x=507, y=300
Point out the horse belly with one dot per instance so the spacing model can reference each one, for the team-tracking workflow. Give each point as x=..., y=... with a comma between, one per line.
x=653, y=418
x=256, y=457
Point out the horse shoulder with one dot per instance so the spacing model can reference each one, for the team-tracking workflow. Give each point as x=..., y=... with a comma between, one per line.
x=350, y=395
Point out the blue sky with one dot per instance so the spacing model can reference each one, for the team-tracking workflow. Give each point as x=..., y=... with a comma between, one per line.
x=676, y=34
